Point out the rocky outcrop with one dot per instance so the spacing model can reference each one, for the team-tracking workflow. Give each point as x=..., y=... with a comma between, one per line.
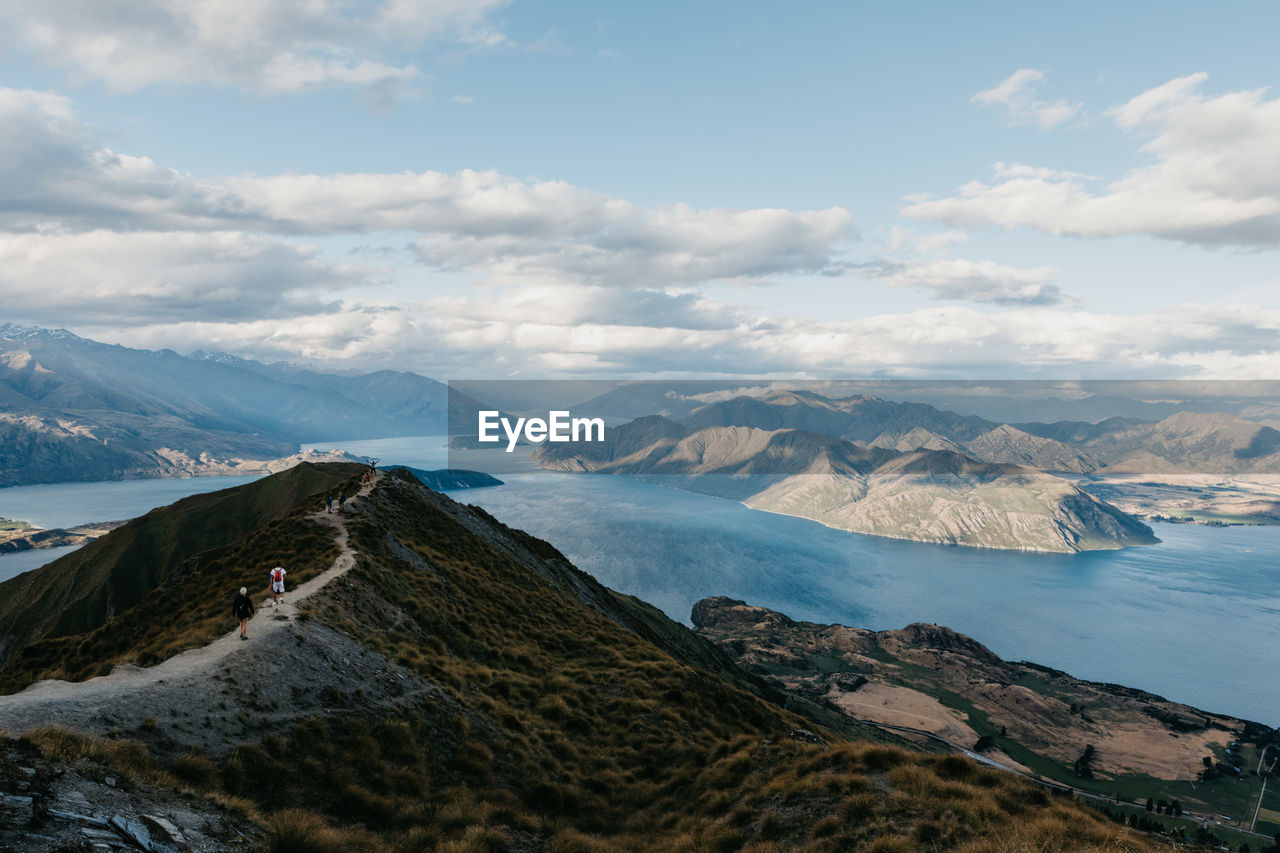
x=452, y=479
x=46, y=804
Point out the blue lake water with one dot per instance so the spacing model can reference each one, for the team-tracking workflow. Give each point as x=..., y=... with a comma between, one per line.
x=1195, y=618
x=69, y=504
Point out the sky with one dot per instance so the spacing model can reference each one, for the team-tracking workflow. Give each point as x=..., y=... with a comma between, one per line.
x=531, y=188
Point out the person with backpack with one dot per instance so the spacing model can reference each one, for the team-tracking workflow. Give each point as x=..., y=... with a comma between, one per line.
x=328, y=504
x=342, y=502
x=242, y=607
x=277, y=586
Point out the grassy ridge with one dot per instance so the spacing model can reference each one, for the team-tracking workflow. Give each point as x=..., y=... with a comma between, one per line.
x=563, y=730
x=564, y=718
x=162, y=582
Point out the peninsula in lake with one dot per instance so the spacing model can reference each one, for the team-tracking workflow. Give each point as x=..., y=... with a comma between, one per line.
x=925, y=495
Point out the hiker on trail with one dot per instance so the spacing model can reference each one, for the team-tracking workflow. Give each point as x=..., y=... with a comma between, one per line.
x=342, y=501
x=242, y=607
x=328, y=504
x=277, y=586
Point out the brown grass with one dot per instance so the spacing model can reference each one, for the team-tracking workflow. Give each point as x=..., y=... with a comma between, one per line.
x=556, y=729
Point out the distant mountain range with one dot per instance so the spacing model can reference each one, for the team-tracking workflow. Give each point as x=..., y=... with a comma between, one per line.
x=911, y=470
x=924, y=495
x=75, y=409
x=1186, y=442
x=997, y=401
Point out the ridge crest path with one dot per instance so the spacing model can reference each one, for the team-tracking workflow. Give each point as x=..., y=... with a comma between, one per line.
x=16, y=710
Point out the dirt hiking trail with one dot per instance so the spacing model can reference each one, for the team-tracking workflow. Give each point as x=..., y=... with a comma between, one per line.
x=284, y=665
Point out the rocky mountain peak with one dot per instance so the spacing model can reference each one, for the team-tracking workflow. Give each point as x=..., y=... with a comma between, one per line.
x=930, y=636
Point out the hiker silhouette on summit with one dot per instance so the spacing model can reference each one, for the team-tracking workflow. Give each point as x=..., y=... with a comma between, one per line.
x=242, y=607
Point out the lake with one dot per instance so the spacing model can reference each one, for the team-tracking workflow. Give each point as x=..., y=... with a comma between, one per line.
x=1195, y=618
x=68, y=504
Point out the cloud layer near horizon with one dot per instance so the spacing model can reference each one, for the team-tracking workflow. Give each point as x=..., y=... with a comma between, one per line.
x=561, y=279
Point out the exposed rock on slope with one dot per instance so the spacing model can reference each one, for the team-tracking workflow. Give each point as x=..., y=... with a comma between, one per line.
x=48, y=805
x=1007, y=443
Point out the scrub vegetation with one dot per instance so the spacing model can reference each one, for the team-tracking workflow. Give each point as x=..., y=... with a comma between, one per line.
x=564, y=717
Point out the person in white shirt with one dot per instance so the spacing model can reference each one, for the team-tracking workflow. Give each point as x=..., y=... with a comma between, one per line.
x=277, y=585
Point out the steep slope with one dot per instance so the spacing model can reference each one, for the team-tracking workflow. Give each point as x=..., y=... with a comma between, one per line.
x=463, y=687
x=861, y=418
x=1007, y=443
x=924, y=495
x=1187, y=442
x=43, y=446
x=945, y=497
x=389, y=402
x=152, y=586
x=930, y=678
x=75, y=409
x=916, y=439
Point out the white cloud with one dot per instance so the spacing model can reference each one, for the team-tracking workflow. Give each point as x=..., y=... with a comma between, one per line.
x=54, y=174
x=614, y=243
x=55, y=177
x=463, y=99
x=908, y=241
x=261, y=45
x=148, y=277
x=465, y=338
x=1214, y=179
x=565, y=278
x=571, y=305
x=973, y=281
x=1016, y=94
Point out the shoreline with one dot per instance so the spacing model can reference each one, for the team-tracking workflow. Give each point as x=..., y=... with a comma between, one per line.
x=29, y=537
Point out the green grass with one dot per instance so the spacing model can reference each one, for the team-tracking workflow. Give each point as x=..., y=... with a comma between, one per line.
x=8, y=525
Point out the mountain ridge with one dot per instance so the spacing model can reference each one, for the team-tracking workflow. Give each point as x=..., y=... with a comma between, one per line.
x=1025, y=716
x=464, y=686
x=925, y=495
x=76, y=409
x=1218, y=443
